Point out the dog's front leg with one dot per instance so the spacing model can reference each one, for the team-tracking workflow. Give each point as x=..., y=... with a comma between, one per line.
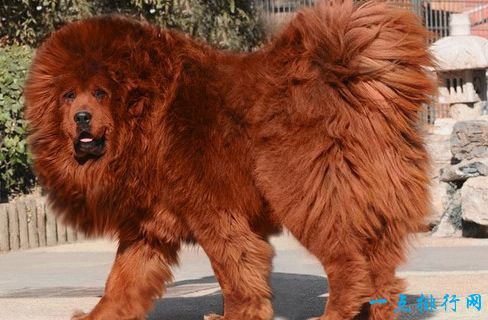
x=137, y=278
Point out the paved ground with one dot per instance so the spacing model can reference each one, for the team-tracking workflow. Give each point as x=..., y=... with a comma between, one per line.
x=49, y=283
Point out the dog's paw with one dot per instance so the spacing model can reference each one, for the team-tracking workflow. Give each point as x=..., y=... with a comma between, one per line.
x=213, y=316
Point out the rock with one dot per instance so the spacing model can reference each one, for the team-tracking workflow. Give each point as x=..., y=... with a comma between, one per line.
x=463, y=112
x=450, y=222
x=438, y=144
x=469, y=140
x=446, y=229
x=474, y=198
x=464, y=170
x=439, y=192
x=439, y=147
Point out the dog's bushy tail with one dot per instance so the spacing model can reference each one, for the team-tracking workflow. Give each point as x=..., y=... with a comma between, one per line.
x=371, y=51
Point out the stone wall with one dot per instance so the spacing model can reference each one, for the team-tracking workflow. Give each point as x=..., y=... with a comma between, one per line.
x=460, y=187
x=29, y=223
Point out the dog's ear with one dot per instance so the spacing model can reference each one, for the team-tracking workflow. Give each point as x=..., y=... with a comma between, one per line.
x=137, y=101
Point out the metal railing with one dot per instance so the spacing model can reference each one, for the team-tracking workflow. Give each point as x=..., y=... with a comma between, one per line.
x=434, y=13
x=434, y=111
x=279, y=6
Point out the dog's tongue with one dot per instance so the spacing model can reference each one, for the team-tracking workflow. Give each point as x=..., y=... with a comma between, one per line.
x=86, y=140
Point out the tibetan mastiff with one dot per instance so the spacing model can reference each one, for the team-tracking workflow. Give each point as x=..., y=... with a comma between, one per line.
x=145, y=135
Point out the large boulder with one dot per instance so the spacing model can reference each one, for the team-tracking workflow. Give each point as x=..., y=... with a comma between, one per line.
x=469, y=140
x=474, y=199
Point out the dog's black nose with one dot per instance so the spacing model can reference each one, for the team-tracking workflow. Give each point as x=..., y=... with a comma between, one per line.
x=83, y=118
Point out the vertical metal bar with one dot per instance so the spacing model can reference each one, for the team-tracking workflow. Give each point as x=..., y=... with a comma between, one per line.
x=445, y=23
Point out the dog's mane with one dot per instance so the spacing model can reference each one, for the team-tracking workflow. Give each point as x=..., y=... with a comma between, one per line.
x=138, y=58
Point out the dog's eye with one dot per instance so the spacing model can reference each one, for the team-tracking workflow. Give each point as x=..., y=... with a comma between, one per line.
x=99, y=94
x=69, y=96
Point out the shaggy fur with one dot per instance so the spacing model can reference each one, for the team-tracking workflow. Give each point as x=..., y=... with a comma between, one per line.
x=316, y=132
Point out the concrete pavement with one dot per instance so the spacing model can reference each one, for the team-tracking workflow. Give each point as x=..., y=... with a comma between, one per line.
x=49, y=283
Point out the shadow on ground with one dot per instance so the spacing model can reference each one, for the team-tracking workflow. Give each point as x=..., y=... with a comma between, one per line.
x=296, y=297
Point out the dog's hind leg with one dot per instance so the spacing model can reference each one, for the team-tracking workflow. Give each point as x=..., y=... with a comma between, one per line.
x=385, y=255
x=241, y=260
x=355, y=279
x=349, y=284
x=349, y=281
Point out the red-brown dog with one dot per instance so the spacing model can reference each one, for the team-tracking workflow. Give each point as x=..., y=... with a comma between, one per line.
x=143, y=134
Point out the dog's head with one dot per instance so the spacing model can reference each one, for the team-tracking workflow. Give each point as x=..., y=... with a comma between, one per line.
x=87, y=85
x=86, y=116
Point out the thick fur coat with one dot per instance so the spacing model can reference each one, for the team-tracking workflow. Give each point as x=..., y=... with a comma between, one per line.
x=146, y=135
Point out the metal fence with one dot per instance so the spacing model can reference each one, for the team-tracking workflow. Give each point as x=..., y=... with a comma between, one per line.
x=434, y=13
x=434, y=111
x=270, y=7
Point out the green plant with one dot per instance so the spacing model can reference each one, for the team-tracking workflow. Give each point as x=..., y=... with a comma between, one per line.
x=30, y=21
x=228, y=24
x=15, y=173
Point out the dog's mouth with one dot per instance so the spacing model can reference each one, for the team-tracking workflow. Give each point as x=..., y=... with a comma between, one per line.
x=88, y=146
